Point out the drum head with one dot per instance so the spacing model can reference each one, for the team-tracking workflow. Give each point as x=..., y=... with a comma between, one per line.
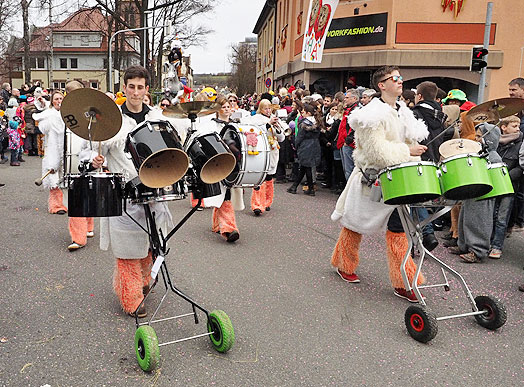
x=164, y=168
x=217, y=168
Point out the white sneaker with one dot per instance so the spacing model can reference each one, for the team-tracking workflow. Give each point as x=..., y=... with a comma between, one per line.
x=90, y=234
x=74, y=246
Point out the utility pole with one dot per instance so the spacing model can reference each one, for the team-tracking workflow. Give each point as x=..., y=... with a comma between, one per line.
x=50, y=70
x=487, y=32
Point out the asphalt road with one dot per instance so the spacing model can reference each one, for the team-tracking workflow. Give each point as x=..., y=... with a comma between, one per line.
x=296, y=322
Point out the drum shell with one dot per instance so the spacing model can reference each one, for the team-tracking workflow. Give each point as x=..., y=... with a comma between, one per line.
x=409, y=183
x=500, y=180
x=464, y=177
x=211, y=158
x=250, y=170
x=139, y=193
x=152, y=139
x=95, y=195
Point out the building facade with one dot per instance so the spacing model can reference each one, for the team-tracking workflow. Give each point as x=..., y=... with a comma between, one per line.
x=425, y=40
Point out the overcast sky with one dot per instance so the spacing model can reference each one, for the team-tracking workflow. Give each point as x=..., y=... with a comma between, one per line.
x=233, y=21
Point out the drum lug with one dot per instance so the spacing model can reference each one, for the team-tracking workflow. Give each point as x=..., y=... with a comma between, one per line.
x=388, y=175
x=470, y=163
x=443, y=168
x=419, y=170
x=113, y=183
x=90, y=182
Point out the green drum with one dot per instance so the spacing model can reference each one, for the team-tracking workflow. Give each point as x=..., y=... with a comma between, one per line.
x=409, y=183
x=499, y=175
x=464, y=176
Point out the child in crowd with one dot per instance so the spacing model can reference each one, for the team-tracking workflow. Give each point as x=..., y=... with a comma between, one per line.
x=14, y=142
x=509, y=146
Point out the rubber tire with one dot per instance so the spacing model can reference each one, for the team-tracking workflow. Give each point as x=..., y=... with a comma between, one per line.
x=224, y=336
x=421, y=323
x=497, y=316
x=146, y=348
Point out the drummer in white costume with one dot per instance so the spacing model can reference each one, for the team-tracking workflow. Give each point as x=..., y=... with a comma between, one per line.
x=386, y=133
x=52, y=126
x=129, y=243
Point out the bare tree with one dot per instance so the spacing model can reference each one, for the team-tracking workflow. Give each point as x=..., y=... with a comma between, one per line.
x=243, y=61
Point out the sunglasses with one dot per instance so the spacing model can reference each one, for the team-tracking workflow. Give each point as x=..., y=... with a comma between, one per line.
x=394, y=78
x=164, y=104
x=233, y=100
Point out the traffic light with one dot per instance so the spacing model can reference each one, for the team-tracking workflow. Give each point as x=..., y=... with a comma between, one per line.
x=477, y=59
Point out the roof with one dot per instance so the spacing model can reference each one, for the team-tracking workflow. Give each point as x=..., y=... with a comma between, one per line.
x=268, y=7
x=83, y=20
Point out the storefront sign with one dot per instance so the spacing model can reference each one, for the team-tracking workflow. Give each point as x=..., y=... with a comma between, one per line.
x=318, y=21
x=366, y=30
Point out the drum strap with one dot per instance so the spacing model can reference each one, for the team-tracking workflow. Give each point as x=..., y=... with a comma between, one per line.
x=369, y=176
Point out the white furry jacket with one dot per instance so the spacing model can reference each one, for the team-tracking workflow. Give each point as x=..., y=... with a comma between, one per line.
x=382, y=138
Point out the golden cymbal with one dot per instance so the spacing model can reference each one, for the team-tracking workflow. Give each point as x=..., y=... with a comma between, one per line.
x=493, y=110
x=458, y=146
x=81, y=105
x=196, y=108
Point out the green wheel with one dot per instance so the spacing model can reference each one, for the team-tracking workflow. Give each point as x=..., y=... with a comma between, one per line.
x=222, y=333
x=146, y=348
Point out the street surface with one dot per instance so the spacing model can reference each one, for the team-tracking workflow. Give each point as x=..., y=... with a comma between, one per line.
x=296, y=322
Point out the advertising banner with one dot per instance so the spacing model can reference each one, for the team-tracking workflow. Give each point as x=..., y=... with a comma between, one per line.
x=366, y=30
x=318, y=20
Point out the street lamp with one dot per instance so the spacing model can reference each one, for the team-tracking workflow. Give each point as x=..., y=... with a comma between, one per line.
x=110, y=66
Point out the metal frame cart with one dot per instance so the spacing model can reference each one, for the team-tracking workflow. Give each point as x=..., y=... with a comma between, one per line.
x=420, y=322
x=219, y=327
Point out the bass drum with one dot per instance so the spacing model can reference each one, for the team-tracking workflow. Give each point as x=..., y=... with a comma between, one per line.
x=250, y=146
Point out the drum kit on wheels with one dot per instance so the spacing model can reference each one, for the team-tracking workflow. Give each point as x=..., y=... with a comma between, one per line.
x=463, y=173
x=167, y=170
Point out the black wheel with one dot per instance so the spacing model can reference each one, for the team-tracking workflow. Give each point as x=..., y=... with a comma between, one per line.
x=421, y=324
x=146, y=348
x=495, y=315
x=223, y=335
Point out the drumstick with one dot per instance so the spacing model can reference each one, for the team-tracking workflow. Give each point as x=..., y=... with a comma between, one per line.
x=39, y=181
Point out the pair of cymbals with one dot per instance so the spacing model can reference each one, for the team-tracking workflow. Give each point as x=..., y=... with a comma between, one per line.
x=196, y=108
x=458, y=146
x=493, y=110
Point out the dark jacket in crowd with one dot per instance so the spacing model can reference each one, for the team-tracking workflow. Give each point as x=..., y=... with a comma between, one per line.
x=330, y=135
x=433, y=116
x=307, y=143
x=508, y=149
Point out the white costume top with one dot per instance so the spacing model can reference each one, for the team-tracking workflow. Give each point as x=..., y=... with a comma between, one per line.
x=260, y=121
x=382, y=135
x=52, y=126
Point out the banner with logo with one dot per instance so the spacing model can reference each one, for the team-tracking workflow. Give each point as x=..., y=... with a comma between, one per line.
x=318, y=20
x=366, y=30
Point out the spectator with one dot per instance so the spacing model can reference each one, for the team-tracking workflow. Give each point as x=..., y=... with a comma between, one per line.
x=345, y=142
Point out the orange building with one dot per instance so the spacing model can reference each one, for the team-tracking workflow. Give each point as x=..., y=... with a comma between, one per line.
x=425, y=40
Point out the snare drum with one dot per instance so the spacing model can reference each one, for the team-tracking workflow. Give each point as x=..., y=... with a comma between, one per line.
x=499, y=176
x=253, y=164
x=138, y=193
x=157, y=153
x=410, y=182
x=464, y=177
x=95, y=194
x=212, y=161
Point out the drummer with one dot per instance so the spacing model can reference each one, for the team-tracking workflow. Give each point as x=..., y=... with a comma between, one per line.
x=386, y=133
x=129, y=243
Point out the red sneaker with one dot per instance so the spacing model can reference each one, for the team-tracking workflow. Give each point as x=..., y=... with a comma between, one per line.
x=353, y=278
x=403, y=293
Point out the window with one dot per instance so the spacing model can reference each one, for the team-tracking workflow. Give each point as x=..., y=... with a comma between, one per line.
x=32, y=63
x=104, y=65
x=59, y=85
x=40, y=63
x=67, y=40
x=93, y=84
x=63, y=63
x=74, y=63
x=84, y=40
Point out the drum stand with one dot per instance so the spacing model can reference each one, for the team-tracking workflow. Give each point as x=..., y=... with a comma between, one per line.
x=420, y=322
x=219, y=327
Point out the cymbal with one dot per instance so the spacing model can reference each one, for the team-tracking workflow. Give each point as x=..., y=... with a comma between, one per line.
x=198, y=108
x=81, y=104
x=496, y=108
x=458, y=146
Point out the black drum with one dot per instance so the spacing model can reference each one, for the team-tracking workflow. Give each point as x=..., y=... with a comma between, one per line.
x=157, y=153
x=138, y=193
x=95, y=194
x=212, y=161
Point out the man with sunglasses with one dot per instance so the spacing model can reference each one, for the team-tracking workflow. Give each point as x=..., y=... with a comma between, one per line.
x=386, y=133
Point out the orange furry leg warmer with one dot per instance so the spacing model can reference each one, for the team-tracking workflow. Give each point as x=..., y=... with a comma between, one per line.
x=128, y=282
x=215, y=226
x=226, y=217
x=90, y=224
x=78, y=228
x=397, y=246
x=146, y=264
x=194, y=201
x=56, y=201
x=455, y=211
x=345, y=254
x=258, y=198
x=270, y=192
